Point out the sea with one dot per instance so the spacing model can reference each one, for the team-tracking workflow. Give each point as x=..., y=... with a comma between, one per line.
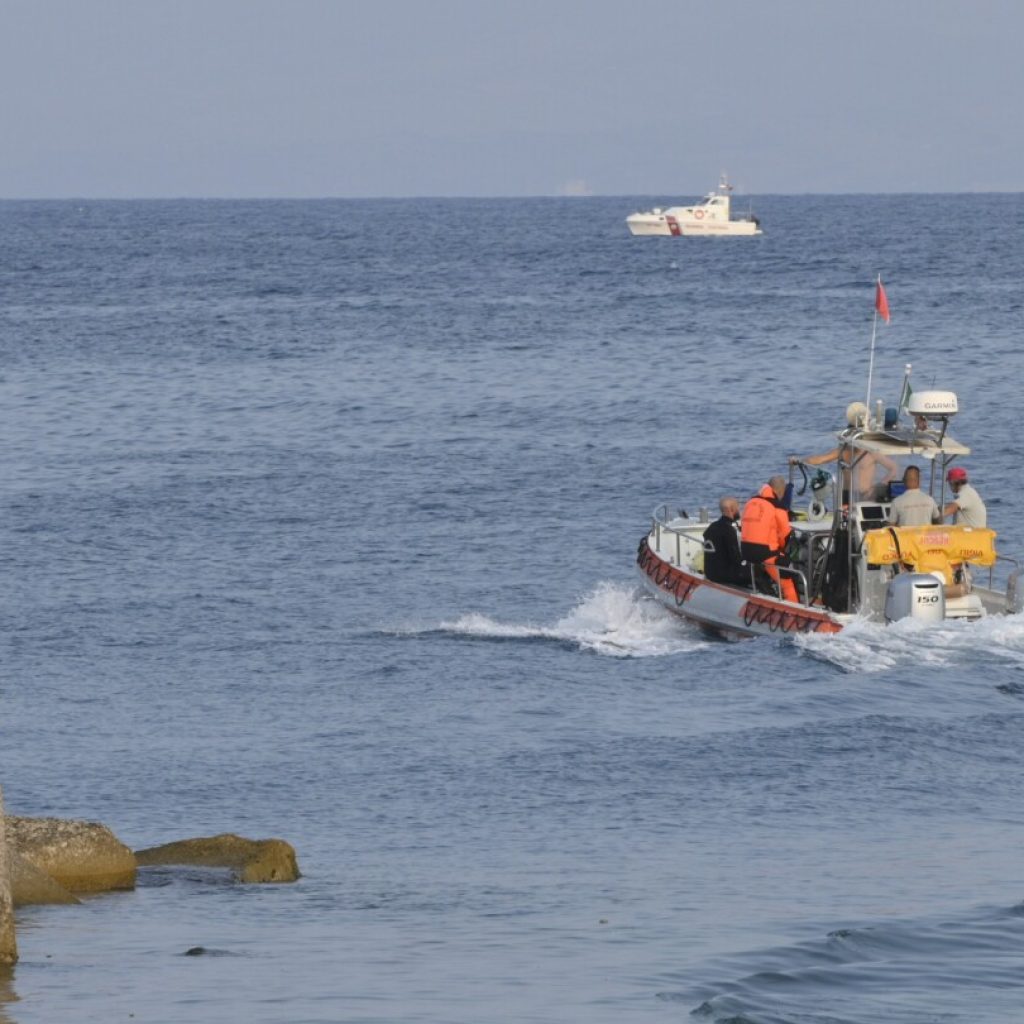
x=318, y=521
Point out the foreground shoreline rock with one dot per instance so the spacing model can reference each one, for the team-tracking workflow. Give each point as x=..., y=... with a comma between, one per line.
x=31, y=885
x=8, y=945
x=50, y=860
x=81, y=856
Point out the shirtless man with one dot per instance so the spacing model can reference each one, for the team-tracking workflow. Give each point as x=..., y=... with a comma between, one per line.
x=865, y=470
x=862, y=466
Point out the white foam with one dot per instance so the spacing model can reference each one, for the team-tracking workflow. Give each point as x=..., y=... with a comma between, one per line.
x=865, y=646
x=613, y=619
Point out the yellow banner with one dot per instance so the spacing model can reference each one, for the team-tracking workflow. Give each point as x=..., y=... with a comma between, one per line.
x=923, y=546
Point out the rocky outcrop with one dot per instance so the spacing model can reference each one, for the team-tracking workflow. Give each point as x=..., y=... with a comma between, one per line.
x=81, y=856
x=47, y=860
x=251, y=860
x=8, y=946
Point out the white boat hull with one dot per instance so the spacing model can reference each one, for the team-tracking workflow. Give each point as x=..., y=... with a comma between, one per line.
x=728, y=611
x=670, y=224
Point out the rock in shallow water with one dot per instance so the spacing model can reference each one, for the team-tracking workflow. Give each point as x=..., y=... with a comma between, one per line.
x=252, y=860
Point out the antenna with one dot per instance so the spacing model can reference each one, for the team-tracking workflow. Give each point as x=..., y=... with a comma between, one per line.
x=871, y=357
x=881, y=306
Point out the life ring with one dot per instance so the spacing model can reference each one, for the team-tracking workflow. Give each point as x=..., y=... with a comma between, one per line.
x=816, y=511
x=699, y=214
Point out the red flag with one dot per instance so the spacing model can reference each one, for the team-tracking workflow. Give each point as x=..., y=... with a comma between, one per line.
x=881, y=302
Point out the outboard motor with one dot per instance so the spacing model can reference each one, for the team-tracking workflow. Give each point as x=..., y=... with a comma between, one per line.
x=915, y=595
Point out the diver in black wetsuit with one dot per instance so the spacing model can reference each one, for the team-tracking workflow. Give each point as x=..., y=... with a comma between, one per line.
x=723, y=562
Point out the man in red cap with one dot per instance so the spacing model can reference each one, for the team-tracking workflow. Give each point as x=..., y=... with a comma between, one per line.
x=966, y=505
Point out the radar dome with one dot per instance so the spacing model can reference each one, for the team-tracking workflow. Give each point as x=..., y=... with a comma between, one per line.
x=932, y=404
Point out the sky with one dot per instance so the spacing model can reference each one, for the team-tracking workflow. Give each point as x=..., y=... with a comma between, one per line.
x=363, y=98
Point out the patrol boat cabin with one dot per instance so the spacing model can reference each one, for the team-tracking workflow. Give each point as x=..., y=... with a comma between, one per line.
x=845, y=556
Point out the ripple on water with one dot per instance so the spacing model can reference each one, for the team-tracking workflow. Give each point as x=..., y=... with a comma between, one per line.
x=898, y=972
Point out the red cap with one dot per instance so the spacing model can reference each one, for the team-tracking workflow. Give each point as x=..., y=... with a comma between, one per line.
x=957, y=475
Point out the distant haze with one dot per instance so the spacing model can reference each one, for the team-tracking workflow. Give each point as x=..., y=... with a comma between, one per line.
x=247, y=98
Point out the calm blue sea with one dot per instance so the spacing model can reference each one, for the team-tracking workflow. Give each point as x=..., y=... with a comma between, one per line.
x=318, y=521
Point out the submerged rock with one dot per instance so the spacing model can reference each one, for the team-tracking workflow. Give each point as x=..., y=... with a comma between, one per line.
x=82, y=856
x=251, y=860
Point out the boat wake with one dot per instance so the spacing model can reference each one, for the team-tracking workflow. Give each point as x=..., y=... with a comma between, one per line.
x=613, y=620
x=964, y=968
x=865, y=646
x=619, y=620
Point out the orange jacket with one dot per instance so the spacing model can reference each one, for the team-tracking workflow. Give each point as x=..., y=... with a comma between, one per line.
x=764, y=522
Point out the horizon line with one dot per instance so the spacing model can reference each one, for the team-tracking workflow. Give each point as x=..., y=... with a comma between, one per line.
x=447, y=196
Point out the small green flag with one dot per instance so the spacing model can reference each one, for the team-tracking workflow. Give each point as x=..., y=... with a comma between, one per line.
x=907, y=392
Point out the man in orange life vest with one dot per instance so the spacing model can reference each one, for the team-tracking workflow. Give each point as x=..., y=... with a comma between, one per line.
x=764, y=531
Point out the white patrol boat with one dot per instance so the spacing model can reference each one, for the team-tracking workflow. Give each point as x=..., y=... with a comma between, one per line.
x=844, y=557
x=708, y=217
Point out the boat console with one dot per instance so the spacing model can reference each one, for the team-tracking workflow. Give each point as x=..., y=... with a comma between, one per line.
x=871, y=516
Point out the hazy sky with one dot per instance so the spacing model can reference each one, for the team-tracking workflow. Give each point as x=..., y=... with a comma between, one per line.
x=508, y=97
